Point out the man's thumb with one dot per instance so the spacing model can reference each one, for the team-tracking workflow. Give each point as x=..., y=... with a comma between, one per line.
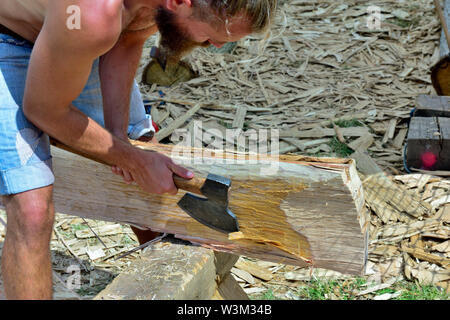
x=181, y=172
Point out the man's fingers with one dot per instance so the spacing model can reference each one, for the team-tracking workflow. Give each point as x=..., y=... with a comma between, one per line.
x=181, y=172
x=127, y=176
x=173, y=190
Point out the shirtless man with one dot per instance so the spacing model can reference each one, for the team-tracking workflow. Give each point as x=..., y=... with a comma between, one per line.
x=77, y=84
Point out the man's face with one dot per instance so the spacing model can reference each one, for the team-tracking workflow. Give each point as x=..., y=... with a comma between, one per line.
x=179, y=35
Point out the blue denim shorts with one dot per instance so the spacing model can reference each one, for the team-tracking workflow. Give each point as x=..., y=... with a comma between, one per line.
x=25, y=159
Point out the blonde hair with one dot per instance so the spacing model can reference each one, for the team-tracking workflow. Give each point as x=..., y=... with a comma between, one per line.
x=259, y=12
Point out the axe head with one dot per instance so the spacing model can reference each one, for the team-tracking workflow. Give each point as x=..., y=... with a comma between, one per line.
x=211, y=211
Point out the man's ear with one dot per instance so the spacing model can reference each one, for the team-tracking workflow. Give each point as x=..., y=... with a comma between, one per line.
x=177, y=5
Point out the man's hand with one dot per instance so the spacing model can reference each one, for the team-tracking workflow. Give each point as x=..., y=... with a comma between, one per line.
x=126, y=175
x=154, y=172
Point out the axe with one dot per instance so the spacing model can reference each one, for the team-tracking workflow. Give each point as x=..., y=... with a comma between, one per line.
x=211, y=209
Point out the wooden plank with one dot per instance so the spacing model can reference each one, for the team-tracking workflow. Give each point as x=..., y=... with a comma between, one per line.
x=295, y=201
x=432, y=106
x=176, y=270
x=423, y=137
x=171, y=270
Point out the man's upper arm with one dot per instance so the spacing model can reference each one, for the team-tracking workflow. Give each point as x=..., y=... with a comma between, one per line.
x=62, y=57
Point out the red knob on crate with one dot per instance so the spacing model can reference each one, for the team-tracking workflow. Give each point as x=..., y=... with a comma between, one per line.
x=428, y=159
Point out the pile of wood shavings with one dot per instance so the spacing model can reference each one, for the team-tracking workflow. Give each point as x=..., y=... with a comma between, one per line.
x=321, y=64
x=84, y=255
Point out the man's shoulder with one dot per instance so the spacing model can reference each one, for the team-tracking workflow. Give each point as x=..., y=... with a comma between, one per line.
x=84, y=22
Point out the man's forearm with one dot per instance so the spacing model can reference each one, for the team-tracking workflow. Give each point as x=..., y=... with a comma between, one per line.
x=76, y=130
x=117, y=70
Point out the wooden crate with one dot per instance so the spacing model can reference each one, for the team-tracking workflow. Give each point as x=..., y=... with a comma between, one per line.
x=428, y=139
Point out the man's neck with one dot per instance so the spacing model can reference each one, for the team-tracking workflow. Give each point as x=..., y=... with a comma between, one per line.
x=143, y=3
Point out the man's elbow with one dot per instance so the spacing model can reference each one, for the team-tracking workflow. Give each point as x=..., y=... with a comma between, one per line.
x=32, y=113
x=28, y=110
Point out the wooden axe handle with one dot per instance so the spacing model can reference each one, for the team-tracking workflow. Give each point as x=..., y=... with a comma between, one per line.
x=192, y=185
x=440, y=12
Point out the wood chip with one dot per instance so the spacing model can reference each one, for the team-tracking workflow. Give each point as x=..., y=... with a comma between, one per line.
x=307, y=275
x=377, y=287
x=324, y=132
x=106, y=230
x=254, y=269
x=399, y=231
x=238, y=122
x=244, y=275
x=442, y=247
x=380, y=189
x=422, y=255
x=400, y=138
x=388, y=296
x=95, y=253
x=362, y=143
x=165, y=132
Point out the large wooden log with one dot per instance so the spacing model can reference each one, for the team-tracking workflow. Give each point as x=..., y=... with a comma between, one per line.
x=187, y=272
x=296, y=210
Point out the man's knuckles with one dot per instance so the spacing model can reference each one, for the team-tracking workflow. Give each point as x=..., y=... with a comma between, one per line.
x=169, y=187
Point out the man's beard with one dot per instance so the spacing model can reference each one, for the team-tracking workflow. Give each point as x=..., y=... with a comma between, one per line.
x=174, y=42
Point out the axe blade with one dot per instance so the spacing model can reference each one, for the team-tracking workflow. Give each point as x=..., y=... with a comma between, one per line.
x=210, y=213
